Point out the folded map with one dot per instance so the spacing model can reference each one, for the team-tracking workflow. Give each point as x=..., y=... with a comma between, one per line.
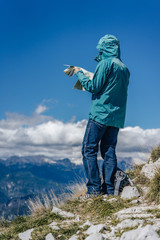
x=70, y=72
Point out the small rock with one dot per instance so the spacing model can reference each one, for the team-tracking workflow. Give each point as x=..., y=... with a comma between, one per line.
x=129, y=192
x=156, y=224
x=105, y=196
x=49, y=237
x=136, y=209
x=62, y=213
x=111, y=234
x=26, y=235
x=95, y=228
x=128, y=223
x=77, y=219
x=112, y=200
x=144, y=189
x=137, y=215
x=95, y=236
x=87, y=223
x=135, y=212
x=53, y=225
x=149, y=169
x=141, y=233
x=74, y=237
x=136, y=201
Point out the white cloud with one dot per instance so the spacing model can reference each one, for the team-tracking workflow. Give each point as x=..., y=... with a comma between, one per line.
x=43, y=135
x=40, y=109
x=16, y=121
x=135, y=138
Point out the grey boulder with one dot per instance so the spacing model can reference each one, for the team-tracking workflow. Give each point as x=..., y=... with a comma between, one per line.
x=95, y=236
x=26, y=235
x=141, y=233
x=62, y=213
x=129, y=192
x=49, y=237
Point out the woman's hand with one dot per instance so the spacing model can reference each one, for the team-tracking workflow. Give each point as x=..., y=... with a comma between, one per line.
x=75, y=70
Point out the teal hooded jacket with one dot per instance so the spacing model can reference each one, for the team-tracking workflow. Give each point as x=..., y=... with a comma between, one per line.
x=109, y=84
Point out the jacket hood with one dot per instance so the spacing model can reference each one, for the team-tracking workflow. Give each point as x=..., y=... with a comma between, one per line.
x=108, y=46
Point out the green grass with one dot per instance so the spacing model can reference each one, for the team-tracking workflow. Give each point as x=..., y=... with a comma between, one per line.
x=61, y=234
x=4, y=223
x=23, y=223
x=96, y=208
x=153, y=211
x=142, y=179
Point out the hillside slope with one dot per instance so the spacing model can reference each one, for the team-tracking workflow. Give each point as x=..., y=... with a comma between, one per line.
x=134, y=215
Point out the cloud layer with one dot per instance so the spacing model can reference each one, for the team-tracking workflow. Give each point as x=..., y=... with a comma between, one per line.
x=39, y=134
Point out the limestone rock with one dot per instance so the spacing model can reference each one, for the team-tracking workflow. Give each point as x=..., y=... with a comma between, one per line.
x=95, y=228
x=136, y=209
x=53, y=225
x=62, y=213
x=129, y=192
x=26, y=235
x=128, y=223
x=136, y=215
x=49, y=237
x=141, y=233
x=70, y=221
x=112, y=200
x=149, y=169
x=87, y=223
x=135, y=201
x=135, y=212
x=111, y=235
x=95, y=236
x=74, y=237
x=156, y=224
x=77, y=219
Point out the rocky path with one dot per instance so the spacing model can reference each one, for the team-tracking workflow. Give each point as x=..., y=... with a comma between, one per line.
x=139, y=222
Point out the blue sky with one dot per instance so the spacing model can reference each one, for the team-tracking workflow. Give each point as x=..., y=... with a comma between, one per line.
x=38, y=37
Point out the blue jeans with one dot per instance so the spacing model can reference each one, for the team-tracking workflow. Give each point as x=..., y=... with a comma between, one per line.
x=107, y=137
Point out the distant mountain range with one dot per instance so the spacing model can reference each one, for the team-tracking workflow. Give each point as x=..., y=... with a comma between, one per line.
x=22, y=178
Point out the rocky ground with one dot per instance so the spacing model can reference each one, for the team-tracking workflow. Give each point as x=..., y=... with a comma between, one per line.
x=134, y=215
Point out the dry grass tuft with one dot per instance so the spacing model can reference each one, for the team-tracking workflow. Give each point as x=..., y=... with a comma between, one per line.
x=154, y=189
x=155, y=153
x=76, y=190
x=47, y=200
x=43, y=202
x=135, y=172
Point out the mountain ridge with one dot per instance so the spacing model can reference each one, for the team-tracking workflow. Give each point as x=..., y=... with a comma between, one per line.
x=24, y=177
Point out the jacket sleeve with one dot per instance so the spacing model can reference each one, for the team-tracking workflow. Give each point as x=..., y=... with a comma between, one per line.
x=99, y=78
